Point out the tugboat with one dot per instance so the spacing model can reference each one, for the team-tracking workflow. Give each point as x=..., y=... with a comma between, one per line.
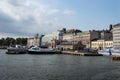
x=41, y=50
x=17, y=49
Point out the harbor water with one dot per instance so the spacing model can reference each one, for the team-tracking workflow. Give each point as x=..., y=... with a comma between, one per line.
x=57, y=67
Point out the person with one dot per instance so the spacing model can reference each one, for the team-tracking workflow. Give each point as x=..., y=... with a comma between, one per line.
x=110, y=52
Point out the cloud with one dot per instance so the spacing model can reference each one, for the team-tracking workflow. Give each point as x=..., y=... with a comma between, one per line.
x=69, y=12
x=27, y=17
x=5, y=35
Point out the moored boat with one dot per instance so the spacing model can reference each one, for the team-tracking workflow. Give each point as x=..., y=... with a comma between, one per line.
x=40, y=50
x=18, y=49
x=109, y=51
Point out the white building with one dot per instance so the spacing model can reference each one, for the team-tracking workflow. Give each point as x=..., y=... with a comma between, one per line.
x=46, y=40
x=116, y=36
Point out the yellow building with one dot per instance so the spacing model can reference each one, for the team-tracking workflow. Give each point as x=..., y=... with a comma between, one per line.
x=101, y=44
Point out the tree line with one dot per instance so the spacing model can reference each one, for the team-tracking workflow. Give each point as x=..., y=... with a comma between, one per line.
x=11, y=41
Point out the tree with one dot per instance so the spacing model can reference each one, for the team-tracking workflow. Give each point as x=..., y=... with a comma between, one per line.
x=0, y=42
x=7, y=41
x=79, y=46
x=3, y=41
x=12, y=41
x=24, y=41
x=18, y=41
x=21, y=41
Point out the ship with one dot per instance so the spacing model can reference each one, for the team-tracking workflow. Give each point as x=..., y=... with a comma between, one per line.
x=41, y=50
x=17, y=49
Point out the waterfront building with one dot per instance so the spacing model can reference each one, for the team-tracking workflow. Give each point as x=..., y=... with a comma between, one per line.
x=72, y=45
x=68, y=42
x=67, y=45
x=105, y=39
x=116, y=36
x=106, y=35
x=35, y=41
x=86, y=37
x=52, y=39
x=69, y=35
x=101, y=44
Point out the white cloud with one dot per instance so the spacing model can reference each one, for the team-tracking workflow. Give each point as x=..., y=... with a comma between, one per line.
x=54, y=11
x=69, y=12
x=5, y=35
x=29, y=17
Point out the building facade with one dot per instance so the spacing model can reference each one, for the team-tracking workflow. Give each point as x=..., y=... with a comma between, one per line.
x=35, y=41
x=86, y=37
x=104, y=39
x=101, y=44
x=69, y=35
x=67, y=45
x=106, y=35
x=52, y=39
x=116, y=36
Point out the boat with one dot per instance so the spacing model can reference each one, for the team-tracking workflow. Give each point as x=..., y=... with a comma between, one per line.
x=109, y=51
x=17, y=49
x=41, y=50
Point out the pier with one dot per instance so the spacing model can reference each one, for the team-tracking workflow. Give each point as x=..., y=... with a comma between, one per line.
x=80, y=53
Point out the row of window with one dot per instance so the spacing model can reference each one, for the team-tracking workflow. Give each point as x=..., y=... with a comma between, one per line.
x=116, y=29
x=116, y=42
x=116, y=36
x=114, y=39
x=96, y=44
x=118, y=32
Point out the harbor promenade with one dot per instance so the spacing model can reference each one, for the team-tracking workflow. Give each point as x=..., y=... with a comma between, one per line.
x=82, y=53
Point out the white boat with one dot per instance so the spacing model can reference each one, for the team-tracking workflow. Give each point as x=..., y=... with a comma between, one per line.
x=41, y=50
x=17, y=49
x=109, y=51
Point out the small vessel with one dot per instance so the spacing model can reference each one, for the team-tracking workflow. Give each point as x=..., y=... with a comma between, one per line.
x=17, y=49
x=41, y=50
x=109, y=51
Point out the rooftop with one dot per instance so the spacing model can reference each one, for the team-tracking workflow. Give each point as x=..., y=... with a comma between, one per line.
x=117, y=25
x=73, y=31
x=83, y=33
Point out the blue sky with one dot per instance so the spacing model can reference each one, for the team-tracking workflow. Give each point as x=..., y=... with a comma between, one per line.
x=27, y=17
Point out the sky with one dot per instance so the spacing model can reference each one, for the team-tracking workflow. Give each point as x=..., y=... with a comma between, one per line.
x=24, y=18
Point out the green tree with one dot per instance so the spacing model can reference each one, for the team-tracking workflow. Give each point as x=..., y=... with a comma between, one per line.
x=7, y=41
x=12, y=41
x=18, y=41
x=0, y=42
x=24, y=41
x=3, y=41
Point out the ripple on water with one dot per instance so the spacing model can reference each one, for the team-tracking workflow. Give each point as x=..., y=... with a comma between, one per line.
x=57, y=67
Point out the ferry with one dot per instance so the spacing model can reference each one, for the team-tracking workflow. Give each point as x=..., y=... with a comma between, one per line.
x=17, y=49
x=41, y=50
x=109, y=51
